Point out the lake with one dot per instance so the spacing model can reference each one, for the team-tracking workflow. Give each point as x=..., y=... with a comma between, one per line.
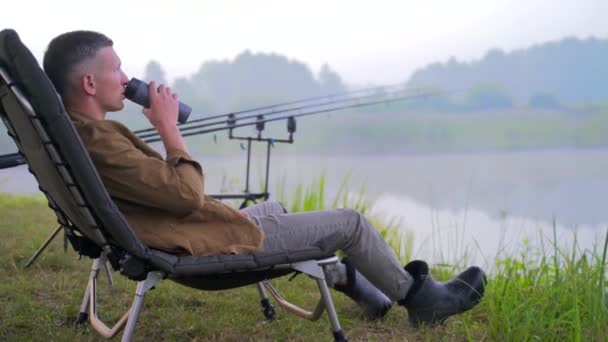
x=472, y=205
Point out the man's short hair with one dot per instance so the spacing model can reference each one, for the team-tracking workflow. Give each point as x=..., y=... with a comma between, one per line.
x=69, y=50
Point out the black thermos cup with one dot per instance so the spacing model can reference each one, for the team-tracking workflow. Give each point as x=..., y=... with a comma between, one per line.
x=138, y=92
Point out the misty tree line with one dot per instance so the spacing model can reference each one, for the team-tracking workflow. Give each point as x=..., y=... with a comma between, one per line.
x=546, y=76
x=250, y=80
x=568, y=72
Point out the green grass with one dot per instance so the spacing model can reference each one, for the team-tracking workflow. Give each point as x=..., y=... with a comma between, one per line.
x=557, y=295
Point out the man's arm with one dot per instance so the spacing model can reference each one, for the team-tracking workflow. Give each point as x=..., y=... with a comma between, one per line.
x=175, y=184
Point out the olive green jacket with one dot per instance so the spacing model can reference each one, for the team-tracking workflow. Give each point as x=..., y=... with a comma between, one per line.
x=163, y=199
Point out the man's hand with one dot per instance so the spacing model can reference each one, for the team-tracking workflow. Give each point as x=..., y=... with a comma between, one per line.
x=163, y=116
x=163, y=107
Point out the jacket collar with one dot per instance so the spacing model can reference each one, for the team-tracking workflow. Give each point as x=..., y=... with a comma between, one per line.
x=79, y=117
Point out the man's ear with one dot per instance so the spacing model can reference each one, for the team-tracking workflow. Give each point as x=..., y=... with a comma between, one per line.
x=87, y=83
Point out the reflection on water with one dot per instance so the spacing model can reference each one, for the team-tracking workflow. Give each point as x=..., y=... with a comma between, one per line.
x=483, y=203
x=469, y=235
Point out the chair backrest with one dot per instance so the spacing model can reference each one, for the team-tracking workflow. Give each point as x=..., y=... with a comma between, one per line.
x=36, y=119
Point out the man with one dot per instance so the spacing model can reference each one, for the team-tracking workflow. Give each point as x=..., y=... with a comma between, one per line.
x=164, y=200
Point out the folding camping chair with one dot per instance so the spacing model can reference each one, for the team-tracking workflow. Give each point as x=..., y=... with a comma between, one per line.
x=37, y=121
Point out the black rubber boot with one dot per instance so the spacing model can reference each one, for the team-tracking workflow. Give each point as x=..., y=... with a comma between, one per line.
x=431, y=302
x=374, y=303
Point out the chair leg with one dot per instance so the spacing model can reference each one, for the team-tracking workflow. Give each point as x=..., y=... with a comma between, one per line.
x=267, y=308
x=142, y=287
x=317, y=271
x=43, y=247
x=133, y=316
x=109, y=274
x=331, y=311
x=83, y=314
x=88, y=308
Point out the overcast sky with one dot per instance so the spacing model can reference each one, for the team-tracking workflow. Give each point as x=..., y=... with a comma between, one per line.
x=375, y=41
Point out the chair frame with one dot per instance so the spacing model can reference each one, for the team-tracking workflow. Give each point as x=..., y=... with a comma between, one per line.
x=315, y=269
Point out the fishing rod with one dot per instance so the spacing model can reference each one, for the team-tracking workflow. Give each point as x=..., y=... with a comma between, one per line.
x=378, y=95
x=11, y=160
x=276, y=107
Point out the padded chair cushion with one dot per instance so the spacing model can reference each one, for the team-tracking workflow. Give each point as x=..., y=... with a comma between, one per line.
x=204, y=265
x=24, y=70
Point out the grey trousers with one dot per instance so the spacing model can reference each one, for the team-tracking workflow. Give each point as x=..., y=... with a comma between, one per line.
x=332, y=230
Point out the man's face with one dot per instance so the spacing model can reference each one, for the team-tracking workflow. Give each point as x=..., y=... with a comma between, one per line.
x=110, y=80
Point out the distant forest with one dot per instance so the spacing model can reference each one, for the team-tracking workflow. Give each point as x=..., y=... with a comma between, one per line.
x=570, y=71
x=550, y=75
x=249, y=80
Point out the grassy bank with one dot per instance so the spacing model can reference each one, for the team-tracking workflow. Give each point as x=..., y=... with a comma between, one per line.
x=551, y=295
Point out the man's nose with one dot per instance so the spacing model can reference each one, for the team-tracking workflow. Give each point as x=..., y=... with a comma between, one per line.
x=125, y=79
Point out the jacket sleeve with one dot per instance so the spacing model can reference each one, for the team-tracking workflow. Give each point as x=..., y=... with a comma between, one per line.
x=175, y=184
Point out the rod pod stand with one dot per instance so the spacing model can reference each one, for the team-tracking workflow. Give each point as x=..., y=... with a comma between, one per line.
x=247, y=195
